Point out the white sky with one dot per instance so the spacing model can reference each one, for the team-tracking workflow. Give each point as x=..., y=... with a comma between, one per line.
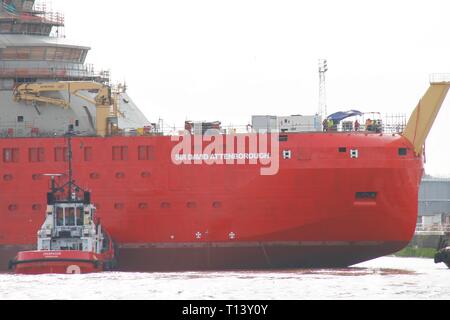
x=227, y=60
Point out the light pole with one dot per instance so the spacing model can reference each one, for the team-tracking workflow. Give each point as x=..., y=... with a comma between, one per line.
x=323, y=68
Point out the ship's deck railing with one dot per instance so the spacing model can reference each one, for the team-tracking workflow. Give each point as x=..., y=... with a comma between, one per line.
x=176, y=131
x=39, y=13
x=434, y=229
x=29, y=130
x=439, y=77
x=60, y=71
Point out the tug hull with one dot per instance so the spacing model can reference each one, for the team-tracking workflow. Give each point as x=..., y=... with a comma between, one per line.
x=58, y=262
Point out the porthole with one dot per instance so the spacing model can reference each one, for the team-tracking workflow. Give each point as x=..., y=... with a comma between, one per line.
x=191, y=205
x=94, y=175
x=143, y=206
x=165, y=205
x=145, y=174
x=8, y=177
x=119, y=206
x=120, y=175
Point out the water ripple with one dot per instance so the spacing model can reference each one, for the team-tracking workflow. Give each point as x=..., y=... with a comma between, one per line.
x=385, y=278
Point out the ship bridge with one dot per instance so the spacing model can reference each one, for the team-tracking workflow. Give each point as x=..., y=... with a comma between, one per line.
x=32, y=50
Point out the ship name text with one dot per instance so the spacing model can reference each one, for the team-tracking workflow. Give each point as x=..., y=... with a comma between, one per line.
x=231, y=149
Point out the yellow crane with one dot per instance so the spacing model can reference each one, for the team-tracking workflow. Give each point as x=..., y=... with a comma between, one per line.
x=106, y=117
x=423, y=117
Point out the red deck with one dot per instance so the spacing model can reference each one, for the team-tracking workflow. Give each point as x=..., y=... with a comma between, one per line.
x=322, y=209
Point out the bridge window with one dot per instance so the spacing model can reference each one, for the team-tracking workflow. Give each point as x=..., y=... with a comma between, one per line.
x=42, y=53
x=60, y=217
x=70, y=217
x=79, y=216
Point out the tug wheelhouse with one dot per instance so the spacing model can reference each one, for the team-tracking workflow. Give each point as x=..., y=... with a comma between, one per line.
x=71, y=240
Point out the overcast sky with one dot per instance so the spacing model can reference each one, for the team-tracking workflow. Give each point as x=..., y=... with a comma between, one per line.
x=227, y=60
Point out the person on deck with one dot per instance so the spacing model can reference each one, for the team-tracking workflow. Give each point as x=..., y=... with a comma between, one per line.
x=330, y=125
x=325, y=125
x=357, y=125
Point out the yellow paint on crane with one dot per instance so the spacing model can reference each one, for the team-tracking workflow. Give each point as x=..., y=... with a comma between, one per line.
x=423, y=117
x=106, y=105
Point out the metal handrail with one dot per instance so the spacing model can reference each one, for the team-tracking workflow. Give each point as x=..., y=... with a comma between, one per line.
x=433, y=228
x=439, y=77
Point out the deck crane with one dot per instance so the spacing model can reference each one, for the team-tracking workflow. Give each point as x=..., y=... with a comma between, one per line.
x=106, y=118
x=423, y=117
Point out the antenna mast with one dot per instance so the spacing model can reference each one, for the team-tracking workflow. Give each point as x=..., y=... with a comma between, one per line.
x=323, y=68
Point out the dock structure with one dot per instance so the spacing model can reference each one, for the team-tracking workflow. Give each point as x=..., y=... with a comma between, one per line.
x=433, y=225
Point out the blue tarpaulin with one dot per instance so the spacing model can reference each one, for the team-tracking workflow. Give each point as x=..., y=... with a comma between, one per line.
x=339, y=116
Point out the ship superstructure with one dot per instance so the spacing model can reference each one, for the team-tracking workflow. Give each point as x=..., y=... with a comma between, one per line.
x=31, y=51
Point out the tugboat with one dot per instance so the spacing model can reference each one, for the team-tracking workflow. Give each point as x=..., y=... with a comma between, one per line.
x=443, y=254
x=71, y=240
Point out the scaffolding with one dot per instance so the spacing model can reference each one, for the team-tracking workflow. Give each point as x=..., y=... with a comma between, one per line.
x=28, y=17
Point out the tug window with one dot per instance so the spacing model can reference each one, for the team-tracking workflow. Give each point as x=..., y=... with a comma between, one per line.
x=79, y=216
x=60, y=217
x=70, y=217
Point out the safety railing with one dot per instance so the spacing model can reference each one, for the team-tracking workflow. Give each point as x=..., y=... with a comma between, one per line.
x=437, y=229
x=439, y=78
x=52, y=72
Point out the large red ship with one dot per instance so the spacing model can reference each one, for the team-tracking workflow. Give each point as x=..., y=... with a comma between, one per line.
x=200, y=199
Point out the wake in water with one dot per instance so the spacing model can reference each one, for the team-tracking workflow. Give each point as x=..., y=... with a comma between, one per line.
x=385, y=278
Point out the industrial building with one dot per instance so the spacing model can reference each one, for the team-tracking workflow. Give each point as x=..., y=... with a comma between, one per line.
x=434, y=203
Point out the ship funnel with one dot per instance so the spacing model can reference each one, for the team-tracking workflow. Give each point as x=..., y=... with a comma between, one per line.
x=423, y=117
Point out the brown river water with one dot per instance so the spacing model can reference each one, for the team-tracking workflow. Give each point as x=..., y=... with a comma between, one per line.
x=386, y=278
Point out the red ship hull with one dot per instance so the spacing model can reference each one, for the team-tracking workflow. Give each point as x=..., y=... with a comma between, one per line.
x=59, y=262
x=322, y=208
